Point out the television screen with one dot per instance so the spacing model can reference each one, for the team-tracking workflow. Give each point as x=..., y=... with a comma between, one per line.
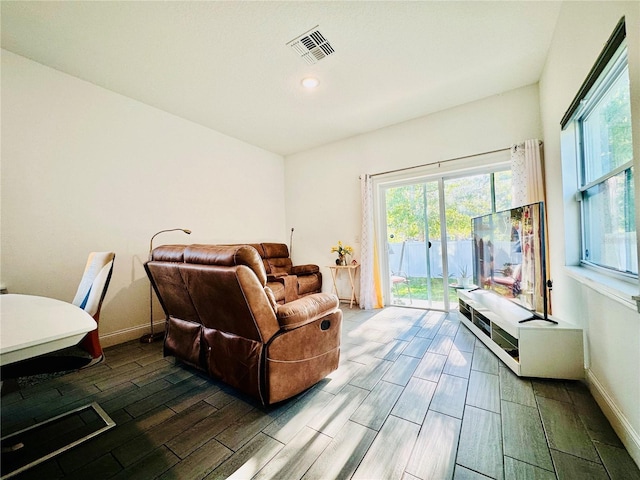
x=509, y=256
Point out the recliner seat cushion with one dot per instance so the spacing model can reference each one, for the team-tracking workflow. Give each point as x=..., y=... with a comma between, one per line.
x=305, y=310
x=309, y=284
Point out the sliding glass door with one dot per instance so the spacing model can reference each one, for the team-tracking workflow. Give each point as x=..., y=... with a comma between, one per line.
x=414, y=241
x=428, y=238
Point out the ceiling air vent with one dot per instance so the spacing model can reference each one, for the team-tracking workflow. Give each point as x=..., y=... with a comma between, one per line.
x=312, y=46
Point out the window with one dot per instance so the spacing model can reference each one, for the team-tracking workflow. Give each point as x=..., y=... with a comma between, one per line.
x=423, y=255
x=501, y=190
x=601, y=117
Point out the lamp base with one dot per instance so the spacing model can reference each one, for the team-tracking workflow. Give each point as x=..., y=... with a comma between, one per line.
x=152, y=337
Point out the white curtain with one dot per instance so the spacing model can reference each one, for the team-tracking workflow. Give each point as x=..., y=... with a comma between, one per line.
x=527, y=182
x=527, y=177
x=370, y=291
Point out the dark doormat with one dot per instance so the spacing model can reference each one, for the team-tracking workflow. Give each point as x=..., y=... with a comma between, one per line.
x=38, y=443
x=44, y=365
x=39, y=369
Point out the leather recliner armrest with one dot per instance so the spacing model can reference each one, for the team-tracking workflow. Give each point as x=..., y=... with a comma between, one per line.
x=305, y=269
x=275, y=277
x=306, y=310
x=290, y=283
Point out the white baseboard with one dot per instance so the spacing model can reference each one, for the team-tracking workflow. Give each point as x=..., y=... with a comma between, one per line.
x=128, y=334
x=629, y=437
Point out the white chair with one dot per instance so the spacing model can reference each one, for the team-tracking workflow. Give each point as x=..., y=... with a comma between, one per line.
x=89, y=297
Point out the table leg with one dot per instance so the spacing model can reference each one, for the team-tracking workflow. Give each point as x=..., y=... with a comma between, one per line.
x=353, y=287
x=334, y=274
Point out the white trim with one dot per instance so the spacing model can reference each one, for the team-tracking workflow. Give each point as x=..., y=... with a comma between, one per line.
x=615, y=289
x=629, y=437
x=131, y=333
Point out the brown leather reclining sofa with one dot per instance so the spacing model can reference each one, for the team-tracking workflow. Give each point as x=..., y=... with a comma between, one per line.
x=287, y=281
x=224, y=319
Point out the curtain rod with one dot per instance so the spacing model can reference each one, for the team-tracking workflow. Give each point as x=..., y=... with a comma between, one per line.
x=514, y=146
x=441, y=161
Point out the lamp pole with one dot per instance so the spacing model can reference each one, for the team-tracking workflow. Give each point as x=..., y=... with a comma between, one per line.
x=151, y=337
x=291, y=243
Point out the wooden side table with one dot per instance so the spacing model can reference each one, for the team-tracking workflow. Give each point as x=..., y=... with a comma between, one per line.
x=351, y=270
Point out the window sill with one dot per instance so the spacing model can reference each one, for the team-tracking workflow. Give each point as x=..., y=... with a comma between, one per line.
x=623, y=292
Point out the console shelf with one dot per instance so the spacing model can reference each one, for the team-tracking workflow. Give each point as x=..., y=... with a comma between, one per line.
x=535, y=348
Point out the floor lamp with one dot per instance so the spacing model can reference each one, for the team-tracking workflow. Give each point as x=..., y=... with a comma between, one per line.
x=151, y=337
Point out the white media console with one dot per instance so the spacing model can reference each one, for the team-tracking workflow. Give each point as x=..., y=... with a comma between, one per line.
x=535, y=348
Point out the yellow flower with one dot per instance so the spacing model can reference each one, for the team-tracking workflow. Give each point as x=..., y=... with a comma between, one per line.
x=342, y=249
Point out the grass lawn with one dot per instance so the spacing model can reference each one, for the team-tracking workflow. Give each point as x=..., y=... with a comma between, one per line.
x=418, y=286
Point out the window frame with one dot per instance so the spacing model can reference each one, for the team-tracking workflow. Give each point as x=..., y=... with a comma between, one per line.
x=610, y=65
x=607, y=79
x=618, y=65
x=485, y=163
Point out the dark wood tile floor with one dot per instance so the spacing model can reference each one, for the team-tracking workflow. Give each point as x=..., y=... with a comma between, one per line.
x=416, y=397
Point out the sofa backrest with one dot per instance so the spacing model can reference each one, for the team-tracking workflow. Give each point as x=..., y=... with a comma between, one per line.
x=276, y=258
x=221, y=287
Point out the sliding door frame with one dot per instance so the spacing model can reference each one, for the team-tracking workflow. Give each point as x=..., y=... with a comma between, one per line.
x=498, y=161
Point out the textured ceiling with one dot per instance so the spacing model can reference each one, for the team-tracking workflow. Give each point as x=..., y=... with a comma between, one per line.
x=226, y=65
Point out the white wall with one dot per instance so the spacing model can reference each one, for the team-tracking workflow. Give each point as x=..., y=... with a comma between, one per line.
x=612, y=326
x=85, y=169
x=323, y=188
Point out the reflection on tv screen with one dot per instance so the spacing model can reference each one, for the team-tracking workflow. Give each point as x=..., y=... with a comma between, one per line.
x=509, y=255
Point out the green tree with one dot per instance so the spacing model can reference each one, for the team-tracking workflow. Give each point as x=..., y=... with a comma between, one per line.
x=465, y=198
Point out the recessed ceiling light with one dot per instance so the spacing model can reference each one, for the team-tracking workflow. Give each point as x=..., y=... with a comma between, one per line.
x=310, y=82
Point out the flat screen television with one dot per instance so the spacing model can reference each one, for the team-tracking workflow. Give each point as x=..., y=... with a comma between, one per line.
x=509, y=256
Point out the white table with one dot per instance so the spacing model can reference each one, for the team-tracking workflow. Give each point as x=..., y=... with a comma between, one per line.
x=351, y=270
x=32, y=326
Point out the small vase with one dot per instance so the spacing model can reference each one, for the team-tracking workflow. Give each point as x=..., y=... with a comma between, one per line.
x=342, y=260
